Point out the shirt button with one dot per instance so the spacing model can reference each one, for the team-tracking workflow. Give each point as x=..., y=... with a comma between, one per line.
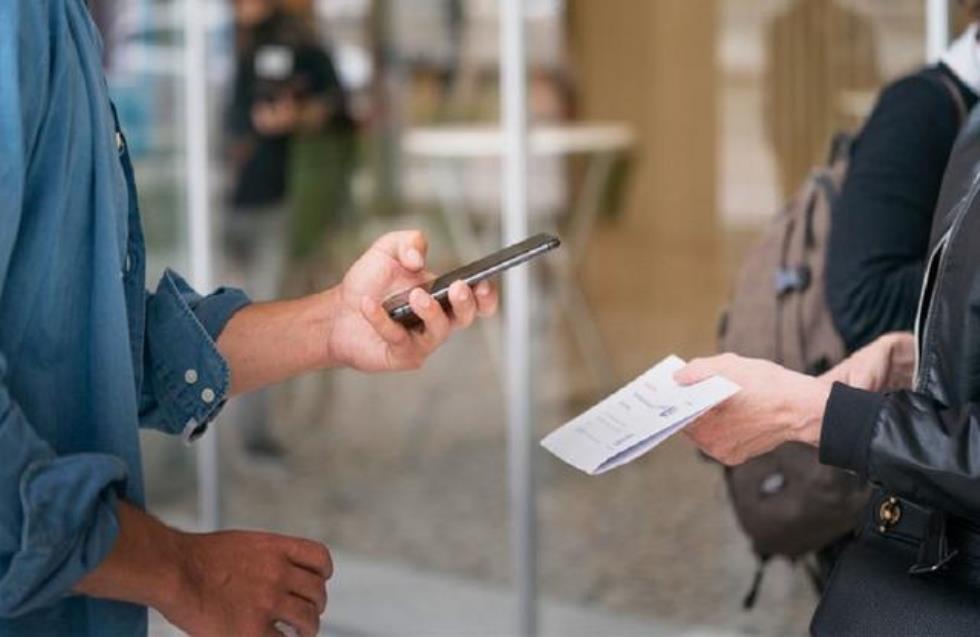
x=207, y=395
x=119, y=141
x=129, y=263
x=190, y=377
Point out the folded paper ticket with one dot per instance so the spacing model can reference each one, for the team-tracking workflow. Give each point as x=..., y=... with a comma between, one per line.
x=636, y=418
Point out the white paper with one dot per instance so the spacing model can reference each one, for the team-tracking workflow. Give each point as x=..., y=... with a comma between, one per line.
x=636, y=418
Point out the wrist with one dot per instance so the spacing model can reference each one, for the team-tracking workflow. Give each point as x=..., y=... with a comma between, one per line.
x=145, y=566
x=175, y=582
x=806, y=411
x=328, y=305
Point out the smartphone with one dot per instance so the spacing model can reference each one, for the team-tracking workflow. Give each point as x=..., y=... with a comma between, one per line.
x=398, y=308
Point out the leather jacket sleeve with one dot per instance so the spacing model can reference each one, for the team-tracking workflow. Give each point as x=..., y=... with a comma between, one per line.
x=909, y=444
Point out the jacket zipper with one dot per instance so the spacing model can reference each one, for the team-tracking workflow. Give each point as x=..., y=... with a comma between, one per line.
x=930, y=283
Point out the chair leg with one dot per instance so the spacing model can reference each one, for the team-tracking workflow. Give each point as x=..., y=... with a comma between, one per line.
x=585, y=330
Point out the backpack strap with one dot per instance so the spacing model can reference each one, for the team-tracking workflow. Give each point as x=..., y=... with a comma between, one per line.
x=748, y=602
x=954, y=93
x=831, y=191
x=840, y=147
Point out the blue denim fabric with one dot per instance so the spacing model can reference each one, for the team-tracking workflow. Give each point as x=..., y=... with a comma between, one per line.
x=86, y=354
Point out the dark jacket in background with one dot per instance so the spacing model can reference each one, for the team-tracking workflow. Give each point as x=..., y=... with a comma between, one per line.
x=260, y=178
x=880, y=232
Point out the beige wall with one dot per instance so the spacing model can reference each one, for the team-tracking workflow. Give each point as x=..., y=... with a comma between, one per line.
x=651, y=63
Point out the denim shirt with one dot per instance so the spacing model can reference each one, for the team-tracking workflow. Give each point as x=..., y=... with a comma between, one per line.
x=86, y=354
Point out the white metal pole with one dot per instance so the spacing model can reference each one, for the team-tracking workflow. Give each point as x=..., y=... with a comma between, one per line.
x=513, y=77
x=198, y=217
x=937, y=28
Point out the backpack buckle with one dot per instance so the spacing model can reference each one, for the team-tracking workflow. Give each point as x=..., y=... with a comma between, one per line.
x=793, y=279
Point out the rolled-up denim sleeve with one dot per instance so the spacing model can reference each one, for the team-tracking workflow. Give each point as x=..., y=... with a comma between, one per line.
x=185, y=378
x=57, y=513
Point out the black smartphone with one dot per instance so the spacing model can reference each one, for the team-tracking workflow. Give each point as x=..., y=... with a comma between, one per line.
x=398, y=308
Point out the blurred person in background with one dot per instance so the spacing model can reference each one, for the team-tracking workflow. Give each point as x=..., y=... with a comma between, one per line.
x=290, y=156
x=88, y=356
x=820, y=60
x=879, y=235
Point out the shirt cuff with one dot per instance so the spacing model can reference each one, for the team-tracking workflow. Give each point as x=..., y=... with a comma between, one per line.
x=68, y=528
x=848, y=424
x=188, y=376
x=215, y=310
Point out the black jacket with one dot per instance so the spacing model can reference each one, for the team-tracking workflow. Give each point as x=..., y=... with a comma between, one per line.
x=924, y=444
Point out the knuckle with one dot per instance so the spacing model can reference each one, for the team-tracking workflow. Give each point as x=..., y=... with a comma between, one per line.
x=267, y=603
x=397, y=337
x=280, y=573
x=389, y=269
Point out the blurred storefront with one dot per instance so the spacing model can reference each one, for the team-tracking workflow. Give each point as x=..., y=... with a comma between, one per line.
x=667, y=133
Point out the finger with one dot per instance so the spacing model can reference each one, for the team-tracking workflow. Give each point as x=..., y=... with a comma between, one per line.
x=487, y=299
x=309, y=586
x=388, y=329
x=300, y=614
x=463, y=303
x=313, y=556
x=865, y=379
x=436, y=322
x=696, y=371
x=408, y=246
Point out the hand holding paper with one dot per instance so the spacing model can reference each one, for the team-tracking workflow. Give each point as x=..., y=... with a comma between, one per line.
x=636, y=418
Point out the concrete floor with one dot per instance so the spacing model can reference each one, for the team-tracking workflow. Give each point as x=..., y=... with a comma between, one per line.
x=384, y=599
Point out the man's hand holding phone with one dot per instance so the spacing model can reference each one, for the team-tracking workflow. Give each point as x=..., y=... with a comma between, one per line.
x=355, y=324
x=364, y=336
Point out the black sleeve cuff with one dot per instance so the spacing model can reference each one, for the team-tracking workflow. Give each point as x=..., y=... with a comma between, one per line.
x=848, y=424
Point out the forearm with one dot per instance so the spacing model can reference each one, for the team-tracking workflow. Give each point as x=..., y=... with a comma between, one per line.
x=144, y=566
x=266, y=343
